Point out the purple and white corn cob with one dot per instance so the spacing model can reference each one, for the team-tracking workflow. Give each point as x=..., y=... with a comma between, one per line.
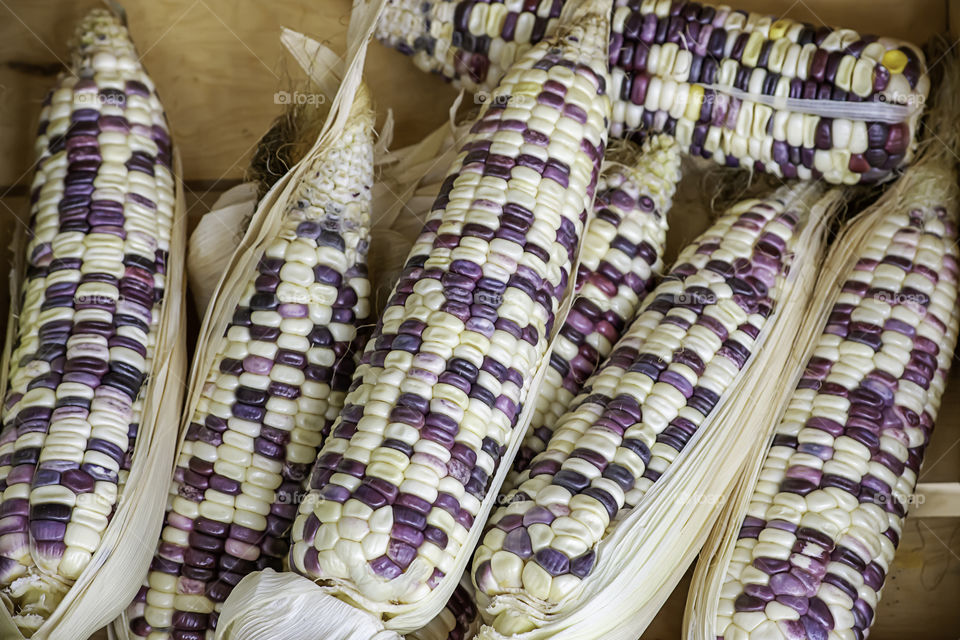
x=409, y=465
x=276, y=385
x=101, y=218
x=628, y=232
x=827, y=511
x=664, y=379
x=621, y=256
x=702, y=73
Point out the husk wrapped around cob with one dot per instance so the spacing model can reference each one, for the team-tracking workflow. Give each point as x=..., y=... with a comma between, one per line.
x=215, y=238
x=613, y=497
x=746, y=89
x=94, y=356
x=545, y=200
x=276, y=352
x=803, y=548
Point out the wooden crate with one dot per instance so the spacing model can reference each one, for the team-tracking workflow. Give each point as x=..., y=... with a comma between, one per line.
x=218, y=63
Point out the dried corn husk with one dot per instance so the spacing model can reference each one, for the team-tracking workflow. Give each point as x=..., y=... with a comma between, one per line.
x=930, y=182
x=647, y=551
x=215, y=238
x=117, y=568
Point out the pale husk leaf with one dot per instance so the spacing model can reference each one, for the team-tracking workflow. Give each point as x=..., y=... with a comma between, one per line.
x=214, y=240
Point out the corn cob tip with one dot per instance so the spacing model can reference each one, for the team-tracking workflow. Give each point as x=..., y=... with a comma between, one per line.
x=102, y=39
x=337, y=186
x=656, y=170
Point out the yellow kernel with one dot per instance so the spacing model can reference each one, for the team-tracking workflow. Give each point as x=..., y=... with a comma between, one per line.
x=895, y=60
x=779, y=28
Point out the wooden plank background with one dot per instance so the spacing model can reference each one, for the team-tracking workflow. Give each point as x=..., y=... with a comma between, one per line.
x=218, y=64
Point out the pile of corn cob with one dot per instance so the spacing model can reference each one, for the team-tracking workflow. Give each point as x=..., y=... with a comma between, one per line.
x=91, y=343
x=545, y=575
x=742, y=88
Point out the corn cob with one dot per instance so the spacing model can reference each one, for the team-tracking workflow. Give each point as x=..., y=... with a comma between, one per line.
x=826, y=515
x=272, y=393
x=665, y=378
x=459, y=619
x=101, y=217
x=622, y=251
x=717, y=79
x=407, y=474
x=808, y=553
